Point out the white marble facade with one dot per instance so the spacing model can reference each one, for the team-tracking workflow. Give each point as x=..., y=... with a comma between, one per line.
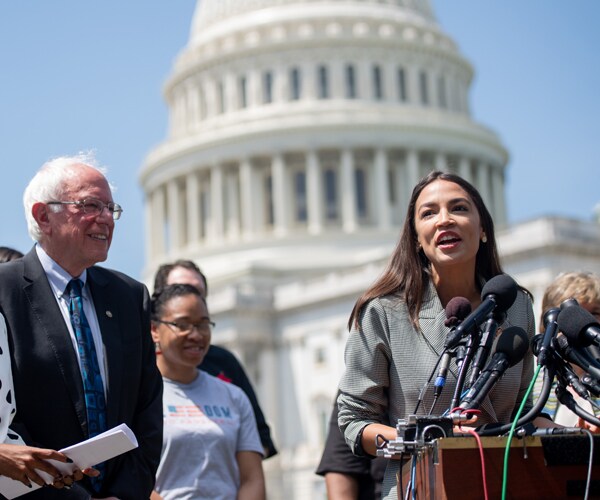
x=297, y=131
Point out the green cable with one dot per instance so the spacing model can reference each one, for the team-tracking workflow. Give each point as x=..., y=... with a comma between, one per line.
x=512, y=431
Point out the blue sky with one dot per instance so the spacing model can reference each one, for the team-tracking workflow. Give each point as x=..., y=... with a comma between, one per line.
x=82, y=76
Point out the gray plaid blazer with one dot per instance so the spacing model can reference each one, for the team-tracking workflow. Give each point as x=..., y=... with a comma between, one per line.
x=388, y=362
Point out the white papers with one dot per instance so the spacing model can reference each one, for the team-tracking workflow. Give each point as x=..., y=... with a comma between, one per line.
x=86, y=454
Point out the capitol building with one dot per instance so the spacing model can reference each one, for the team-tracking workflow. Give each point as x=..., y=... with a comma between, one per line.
x=297, y=130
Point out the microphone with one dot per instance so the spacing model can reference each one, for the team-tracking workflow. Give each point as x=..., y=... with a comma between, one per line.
x=591, y=385
x=554, y=431
x=576, y=356
x=568, y=303
x=457, y=309
x=485, y=344
x=550, y=317
x=499, y=293
x=579, y=326
x=510, y=349
x=570, y=378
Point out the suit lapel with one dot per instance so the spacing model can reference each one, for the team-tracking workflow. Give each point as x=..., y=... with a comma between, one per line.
x=108, y=319
x=53, y=330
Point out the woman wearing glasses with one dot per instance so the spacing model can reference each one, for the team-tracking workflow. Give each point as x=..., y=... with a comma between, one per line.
x=211, y=448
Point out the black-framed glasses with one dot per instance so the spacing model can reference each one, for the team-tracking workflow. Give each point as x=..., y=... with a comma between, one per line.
x=186, y=327
x=93, y=206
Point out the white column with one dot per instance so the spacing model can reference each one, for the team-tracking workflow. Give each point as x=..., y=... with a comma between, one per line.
x=193, y=114
x=156, y=223
x=193, y=208
x=233, y=206
x=216, y=203
x=280, y=198
x=337, y=79
x=212, y=97
x=483, y=184
x=309, y=80
x=412, y=167
x=432, y=88
x=464, y=169
x=314, y=185
x=364, y=79
x=231, y=91
x=202, y=106
x=280, y=84
x=498, y=192
x=149, y=229
x=390, y=82
x=175, y=216
x=463, y=91
x=178, y=111
x=348, y=191
x=382, y=196
x=440, y=162
x=412, y=84
x=254, y=88
x=246, y=198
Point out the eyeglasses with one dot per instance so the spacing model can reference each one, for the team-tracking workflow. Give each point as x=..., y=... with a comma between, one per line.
x=93, y=206
x=185, y=327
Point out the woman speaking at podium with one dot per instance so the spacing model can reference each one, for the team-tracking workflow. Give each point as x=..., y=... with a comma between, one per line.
x=447, y=249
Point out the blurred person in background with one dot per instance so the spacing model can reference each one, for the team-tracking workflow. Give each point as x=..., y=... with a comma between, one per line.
x=7, y=254
x=584, y=287
x=211, y=448
x=219, y=361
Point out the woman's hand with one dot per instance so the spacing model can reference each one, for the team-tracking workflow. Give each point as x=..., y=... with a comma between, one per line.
x=22, y=463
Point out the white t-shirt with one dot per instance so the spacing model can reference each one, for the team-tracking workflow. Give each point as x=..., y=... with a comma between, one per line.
x=205, y=424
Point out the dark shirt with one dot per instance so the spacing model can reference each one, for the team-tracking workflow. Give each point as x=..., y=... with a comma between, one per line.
x=337, y=457
x=224, y=365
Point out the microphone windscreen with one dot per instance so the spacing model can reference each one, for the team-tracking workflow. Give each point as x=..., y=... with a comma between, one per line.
x=514, y=344
x=573, y=322
x=504, y=289
x=457, y=309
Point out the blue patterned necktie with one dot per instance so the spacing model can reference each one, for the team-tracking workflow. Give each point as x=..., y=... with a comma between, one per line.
x=93, y=387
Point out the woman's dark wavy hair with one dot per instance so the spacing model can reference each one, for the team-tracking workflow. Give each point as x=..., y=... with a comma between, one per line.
x=408, y=270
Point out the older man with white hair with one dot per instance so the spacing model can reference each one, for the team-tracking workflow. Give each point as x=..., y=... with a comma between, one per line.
x=82, y=355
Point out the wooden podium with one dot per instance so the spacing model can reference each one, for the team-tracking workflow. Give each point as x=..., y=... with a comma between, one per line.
x=549, y=467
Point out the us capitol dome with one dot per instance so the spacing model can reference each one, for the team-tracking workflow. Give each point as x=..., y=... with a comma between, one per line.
x=297, y=130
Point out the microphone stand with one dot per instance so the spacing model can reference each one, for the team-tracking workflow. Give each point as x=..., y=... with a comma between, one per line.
x=567, y=399
x=486, y=339
x=462, y=374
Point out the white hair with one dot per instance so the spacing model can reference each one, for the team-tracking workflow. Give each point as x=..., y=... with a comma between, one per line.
x=48, y=185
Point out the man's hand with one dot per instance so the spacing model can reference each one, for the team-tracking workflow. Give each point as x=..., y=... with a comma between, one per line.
x=67, y=481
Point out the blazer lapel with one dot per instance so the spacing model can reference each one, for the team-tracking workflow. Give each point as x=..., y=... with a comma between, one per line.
x=53, y=330
x=107, y=312
x=431, y=320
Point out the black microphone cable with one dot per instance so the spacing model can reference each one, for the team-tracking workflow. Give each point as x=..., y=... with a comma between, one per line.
x=549, y=374
x=426, y=384
x=567, y=399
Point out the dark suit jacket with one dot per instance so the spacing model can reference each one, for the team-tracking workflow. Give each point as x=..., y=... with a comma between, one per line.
x=48, y=386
